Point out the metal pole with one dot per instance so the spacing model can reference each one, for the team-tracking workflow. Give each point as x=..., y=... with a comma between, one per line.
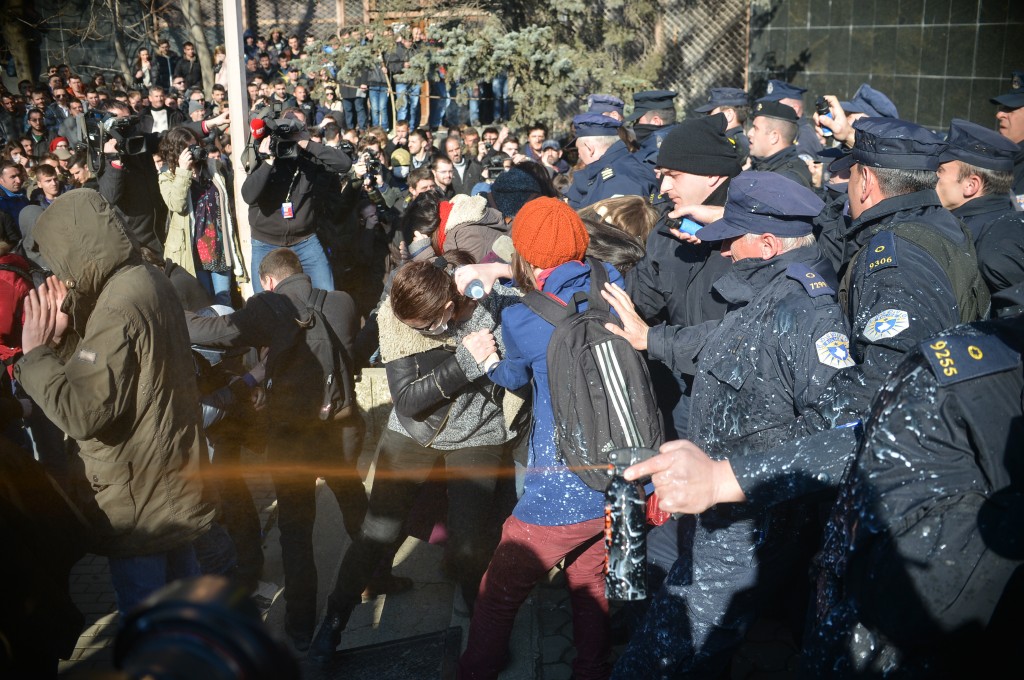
x=239, y=128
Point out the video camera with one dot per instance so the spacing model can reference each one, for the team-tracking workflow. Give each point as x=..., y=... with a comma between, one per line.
x=284, y=134
x=99, y=128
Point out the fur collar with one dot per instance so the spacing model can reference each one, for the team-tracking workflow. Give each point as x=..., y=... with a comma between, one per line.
x=397, y=340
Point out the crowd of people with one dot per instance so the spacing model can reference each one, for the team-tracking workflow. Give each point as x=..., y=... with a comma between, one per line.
x=829, y=307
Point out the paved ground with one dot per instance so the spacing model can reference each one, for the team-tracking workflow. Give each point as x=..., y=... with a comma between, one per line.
x=541, y=644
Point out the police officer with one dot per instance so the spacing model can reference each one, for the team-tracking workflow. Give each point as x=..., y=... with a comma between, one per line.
x=772, y=134
x=653, y=117
x=734, y=104
x=974, y=183
x=793, y=97
x=610, y=169
x=1010, y=116
x=782, y=340
x=913, y=274
x=606, y=104
x=920, y=568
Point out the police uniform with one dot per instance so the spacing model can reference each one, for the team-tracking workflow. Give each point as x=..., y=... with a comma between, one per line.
x=735, y=98
x=807, y=137
x=605, y=103
x=920, y=568
x=895, y=294
x=650, y=137
x=997, y=228
x=616, y=173
x=1014, y=99
x=783, y=339
x=786, y=162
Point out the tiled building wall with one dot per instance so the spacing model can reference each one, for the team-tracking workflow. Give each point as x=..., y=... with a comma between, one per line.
x=936, y=59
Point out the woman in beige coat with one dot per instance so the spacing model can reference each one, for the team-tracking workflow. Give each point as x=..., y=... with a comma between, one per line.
x=201, y=236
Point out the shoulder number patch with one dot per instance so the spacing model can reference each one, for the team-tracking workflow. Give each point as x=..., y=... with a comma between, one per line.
x=880, y=252
x=964, y=357
x=834, y=350
x=888, y=324
x=810, y=279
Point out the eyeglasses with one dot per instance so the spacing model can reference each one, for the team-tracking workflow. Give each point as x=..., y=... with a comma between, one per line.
x=35, y=119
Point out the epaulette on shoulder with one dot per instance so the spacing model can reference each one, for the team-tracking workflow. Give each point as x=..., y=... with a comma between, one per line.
x=809, y=279
x=880, y=252
x=607, y=173
x=957, y=358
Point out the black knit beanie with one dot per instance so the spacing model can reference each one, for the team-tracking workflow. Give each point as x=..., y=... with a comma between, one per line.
x=513, y=189
x=699, y=146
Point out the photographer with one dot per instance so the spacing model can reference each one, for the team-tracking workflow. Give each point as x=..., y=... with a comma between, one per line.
x=201, y=236
x=280, y=193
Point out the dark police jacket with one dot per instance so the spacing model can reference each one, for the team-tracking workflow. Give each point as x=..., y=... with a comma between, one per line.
x=899, y=296
x=998, y=232
x=648, y=151
x=774, y=352
x=616, y=173
x=787, y=164
x=927, y=532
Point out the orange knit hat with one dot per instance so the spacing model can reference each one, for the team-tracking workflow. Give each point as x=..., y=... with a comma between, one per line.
x=546, y=233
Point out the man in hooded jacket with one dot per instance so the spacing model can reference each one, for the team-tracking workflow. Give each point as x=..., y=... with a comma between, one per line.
x=107, y=358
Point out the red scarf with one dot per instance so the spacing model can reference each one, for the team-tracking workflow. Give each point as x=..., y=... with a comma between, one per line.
x=445, y=210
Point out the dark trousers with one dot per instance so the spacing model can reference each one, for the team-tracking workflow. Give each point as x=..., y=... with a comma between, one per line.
x=402, y=467
x=355, y=112
x=297, y=455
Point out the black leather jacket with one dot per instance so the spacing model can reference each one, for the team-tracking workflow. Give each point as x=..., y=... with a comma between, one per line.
x=423, y=386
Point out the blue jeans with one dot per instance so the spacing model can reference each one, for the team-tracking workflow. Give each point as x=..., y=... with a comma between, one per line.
x=136, y=578
x=474, y=104
x=311, y=255
x=217, y=284
x=438, y=104
x=502, y=104
x=379, y=107
x=408, y=103
x=355, y=112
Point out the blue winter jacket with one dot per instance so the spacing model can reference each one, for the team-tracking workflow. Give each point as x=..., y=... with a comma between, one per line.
x=553, y=495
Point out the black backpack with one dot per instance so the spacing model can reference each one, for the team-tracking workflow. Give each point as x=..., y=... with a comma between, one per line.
x=601, y=393
x=314, y=357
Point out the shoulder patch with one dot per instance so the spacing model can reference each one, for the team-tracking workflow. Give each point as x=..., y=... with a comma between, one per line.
x=958, y=358
x=887, y=324
x=880, y=252
x=834, y=350
x=607, y=174
x=810, y=279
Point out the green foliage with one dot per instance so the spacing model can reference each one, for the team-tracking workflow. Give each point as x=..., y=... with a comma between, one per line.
x=554, y=53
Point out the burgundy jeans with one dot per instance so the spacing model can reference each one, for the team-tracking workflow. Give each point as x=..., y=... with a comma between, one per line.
x=525, y=555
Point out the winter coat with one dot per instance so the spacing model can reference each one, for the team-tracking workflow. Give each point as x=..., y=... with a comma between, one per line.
x=441, y=396
x=121, y=384
x=553, y=494
x=997, y=229
x=174, y=189
x=924, y=542
x=268, y=320
x=473, y=226
x=616, y=173
x=787, y=163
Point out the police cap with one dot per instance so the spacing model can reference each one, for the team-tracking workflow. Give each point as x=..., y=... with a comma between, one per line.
x=778, y=110
x=978, y=146
x=1013, y=99
x=764, y=203
x=651, y=100
x=892, y=143
x=605, y=103
x=595, y=125
x=780, y=89
x=872, y=102
x=724, y=96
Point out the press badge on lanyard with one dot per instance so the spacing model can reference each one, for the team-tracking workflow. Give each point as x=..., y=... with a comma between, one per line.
x=287, y=209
